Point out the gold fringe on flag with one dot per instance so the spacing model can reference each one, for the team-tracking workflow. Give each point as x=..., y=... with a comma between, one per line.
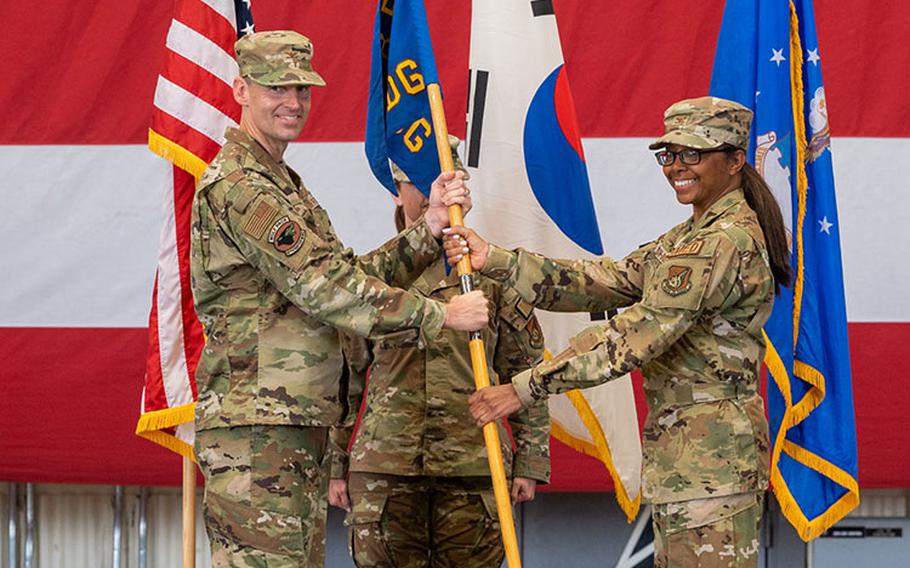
x=794, y=414
x=152, y=426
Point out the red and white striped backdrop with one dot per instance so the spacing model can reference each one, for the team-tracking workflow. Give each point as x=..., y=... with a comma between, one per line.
x=82, y=196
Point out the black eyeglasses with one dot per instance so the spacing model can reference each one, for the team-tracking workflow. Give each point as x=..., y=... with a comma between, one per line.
x=688, y=156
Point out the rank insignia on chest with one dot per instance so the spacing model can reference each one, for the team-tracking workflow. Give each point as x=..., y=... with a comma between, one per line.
x=286, y=236
x=677, y=281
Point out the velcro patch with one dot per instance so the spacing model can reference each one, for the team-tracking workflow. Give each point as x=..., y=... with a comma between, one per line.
x=525, y=309
x=678, y=280
x=286, y=235
x=588, y=339
x=535, y=333
x=258, y=221
x=690, y=249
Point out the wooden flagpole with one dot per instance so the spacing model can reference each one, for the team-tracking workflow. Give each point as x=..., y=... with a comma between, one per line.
x=478, y=358
x=189, y=513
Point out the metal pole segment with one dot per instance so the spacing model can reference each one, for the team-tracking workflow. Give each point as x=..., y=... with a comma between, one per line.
x=13, y=528
x=478, y=357
x=189, y=513
x=143, y=528
x=29, y=556
x=118, y=526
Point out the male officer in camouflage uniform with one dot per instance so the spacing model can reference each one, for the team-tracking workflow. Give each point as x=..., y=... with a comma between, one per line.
x=420, y=480
x=274, y=288
x=696, y=299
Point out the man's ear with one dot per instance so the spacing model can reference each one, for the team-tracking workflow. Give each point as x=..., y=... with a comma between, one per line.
x=241, y=91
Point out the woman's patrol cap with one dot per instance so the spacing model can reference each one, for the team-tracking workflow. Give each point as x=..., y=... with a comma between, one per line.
x=277, y=58
x=400, y=177
x=706, y=123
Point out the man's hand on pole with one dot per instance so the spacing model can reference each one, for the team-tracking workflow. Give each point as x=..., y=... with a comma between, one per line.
x=449, y=189
x=467, y=312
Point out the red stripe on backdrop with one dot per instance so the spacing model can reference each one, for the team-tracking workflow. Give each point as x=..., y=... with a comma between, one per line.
x=73, y=420
x=626, y=61
x=69, y=397
x=80, y=72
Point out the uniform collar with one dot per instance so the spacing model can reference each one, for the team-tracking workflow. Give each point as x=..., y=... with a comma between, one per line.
x=262, y=161
x=435, y=278
x=718, y=209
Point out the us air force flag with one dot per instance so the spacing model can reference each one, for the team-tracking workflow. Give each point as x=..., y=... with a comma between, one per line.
x=768, y=59
x=399, y=126
x=528, y=172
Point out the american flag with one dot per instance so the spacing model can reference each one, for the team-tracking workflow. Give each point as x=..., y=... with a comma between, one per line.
x=193, y=106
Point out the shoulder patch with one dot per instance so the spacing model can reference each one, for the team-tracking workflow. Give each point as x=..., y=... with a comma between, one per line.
x=286, y=235
x=258, y=221
x=678, y=280
x=690, y=249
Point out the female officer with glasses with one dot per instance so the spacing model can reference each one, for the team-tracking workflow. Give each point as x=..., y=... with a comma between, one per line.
x=696, y=299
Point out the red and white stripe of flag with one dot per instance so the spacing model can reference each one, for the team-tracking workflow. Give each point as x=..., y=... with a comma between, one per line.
x=193, y=106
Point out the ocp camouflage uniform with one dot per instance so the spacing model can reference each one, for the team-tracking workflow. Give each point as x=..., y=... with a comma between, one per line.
x=696, y=299
x=420, y=485
x=274, y=288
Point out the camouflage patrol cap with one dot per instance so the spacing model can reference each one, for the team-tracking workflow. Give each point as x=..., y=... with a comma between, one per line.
x=705, y=123
x=277, y=58
x=400, y=177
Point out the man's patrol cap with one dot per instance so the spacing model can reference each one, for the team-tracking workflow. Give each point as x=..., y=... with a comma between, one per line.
x=706, y=123
x=400, y=177
x=277, y=58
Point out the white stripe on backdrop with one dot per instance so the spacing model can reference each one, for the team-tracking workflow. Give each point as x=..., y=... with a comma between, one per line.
x=82, y=223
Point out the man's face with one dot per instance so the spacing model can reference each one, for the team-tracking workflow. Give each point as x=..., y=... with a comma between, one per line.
x=276, y=114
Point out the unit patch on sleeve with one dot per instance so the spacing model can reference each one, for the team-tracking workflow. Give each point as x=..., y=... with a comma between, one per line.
x=258, y=221
x=678, y=280
x=286, y=235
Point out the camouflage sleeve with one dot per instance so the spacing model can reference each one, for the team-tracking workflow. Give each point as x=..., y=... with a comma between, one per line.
x=326, y=285
x=401, y=260
x=569, y=285
x=682, y=290
x=358, y=357
x=520, y=346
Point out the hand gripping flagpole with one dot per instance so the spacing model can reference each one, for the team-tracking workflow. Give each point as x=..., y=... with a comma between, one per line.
x=478, y=358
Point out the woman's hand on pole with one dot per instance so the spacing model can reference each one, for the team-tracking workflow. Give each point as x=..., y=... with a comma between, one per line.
x=460, y=241
x=492, y=403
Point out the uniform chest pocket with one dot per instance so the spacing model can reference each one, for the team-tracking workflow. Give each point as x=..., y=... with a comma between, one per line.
x=679, y=280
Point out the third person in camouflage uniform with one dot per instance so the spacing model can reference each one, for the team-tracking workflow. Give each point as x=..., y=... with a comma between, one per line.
x=420, y=489
x=696, y=299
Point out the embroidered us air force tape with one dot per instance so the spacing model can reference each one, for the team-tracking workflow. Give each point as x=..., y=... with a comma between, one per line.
x=678, y=280
x=690, y=249
x=286, y=235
